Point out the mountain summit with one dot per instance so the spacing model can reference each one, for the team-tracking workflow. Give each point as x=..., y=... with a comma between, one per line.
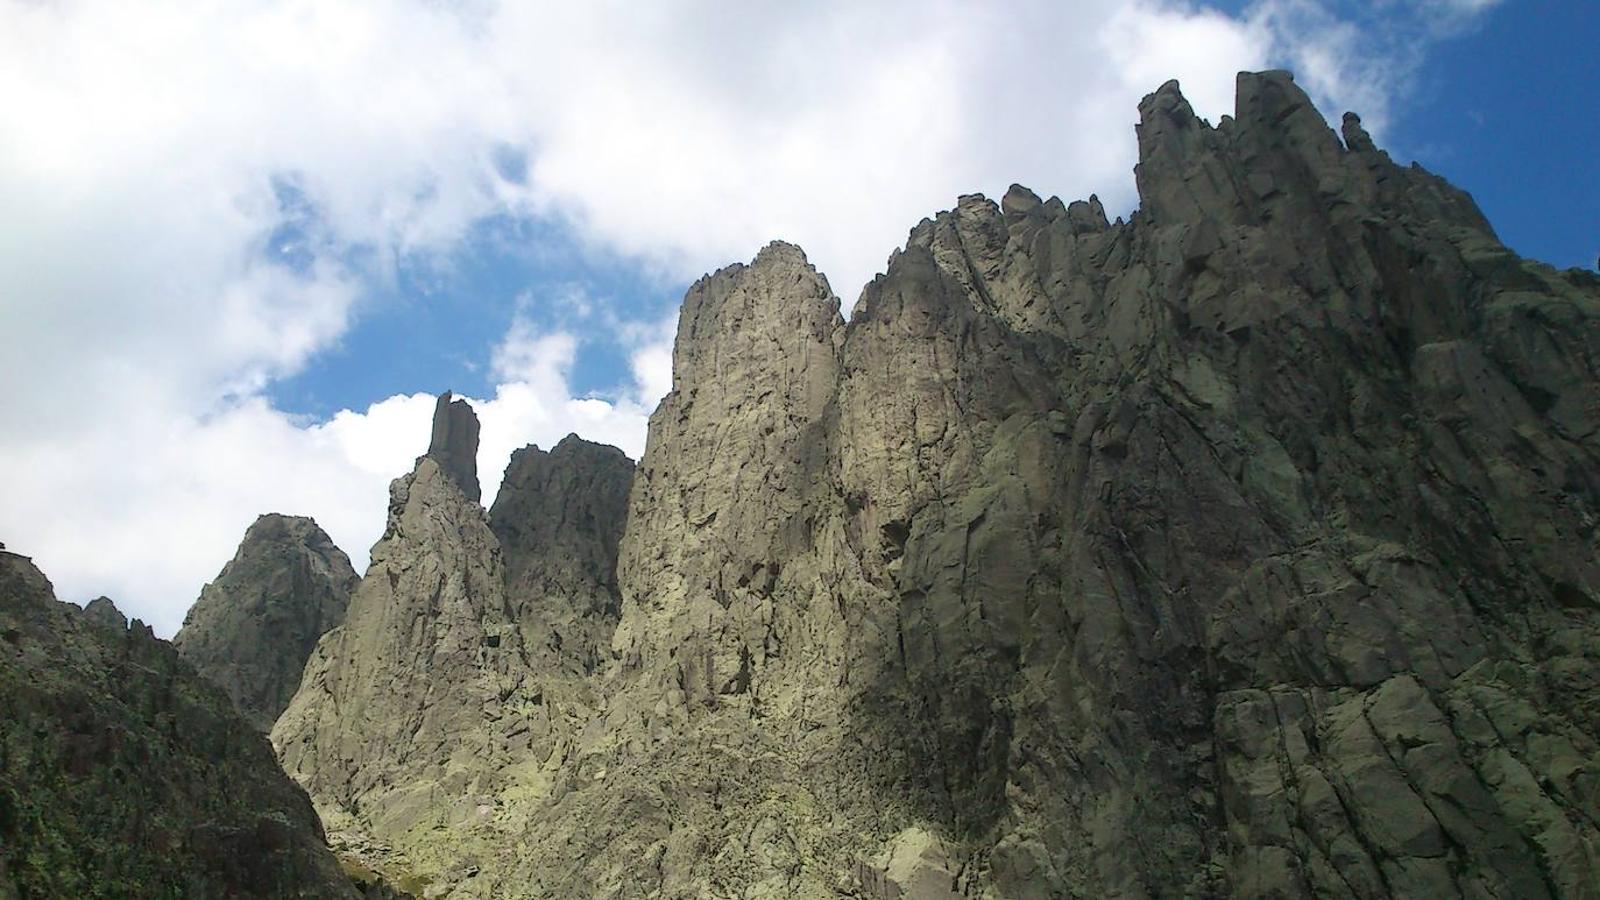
x=253, y=628
x=454, y=444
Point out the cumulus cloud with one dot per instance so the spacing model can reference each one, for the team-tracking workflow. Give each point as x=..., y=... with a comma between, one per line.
x=202, y=197
x=533, y=402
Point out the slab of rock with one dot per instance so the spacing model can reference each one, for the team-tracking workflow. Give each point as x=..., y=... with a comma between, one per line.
x=105, y=612
x=559, y=517
x=253, y=628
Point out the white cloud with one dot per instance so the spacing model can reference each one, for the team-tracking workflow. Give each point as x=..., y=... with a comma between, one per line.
x=199, y=197
x=1364, y=63
x=651, y=367
x=533, y=404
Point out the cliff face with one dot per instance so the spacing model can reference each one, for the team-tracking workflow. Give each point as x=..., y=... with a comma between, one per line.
x=253, y=628
x=1245, y=548
x=1217, y=541
x=124, y=774
x=559, y=518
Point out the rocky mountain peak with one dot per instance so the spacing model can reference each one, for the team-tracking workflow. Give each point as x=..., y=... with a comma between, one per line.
x=755, y=368
x=104, y=612
x=454, y=444
x=1019, y=201
x=1241, y=548
x=408, y=709
x=778, y=305
x=253, y=628
x=127, y=775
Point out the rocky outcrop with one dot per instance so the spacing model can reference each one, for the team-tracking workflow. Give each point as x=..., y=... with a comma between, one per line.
x=124, y=774
x=454, y=444
x=733, y=452
x=1171, y=508
x=559, y=518
x=1247, y=547
x=104, y=612
x=408, y=712
x=253, y=628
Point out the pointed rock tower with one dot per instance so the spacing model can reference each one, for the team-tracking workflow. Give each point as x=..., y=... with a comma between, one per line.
x=454, y=444
x=404, y=710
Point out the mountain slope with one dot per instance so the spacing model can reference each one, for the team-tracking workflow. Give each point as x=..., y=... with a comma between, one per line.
x=124, y=774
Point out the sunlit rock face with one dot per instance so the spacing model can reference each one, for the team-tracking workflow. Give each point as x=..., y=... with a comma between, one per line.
x=1247, y=547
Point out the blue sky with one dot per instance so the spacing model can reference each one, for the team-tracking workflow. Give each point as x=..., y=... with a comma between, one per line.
x=247, y=240
x=435, y=324
x=1507, y=111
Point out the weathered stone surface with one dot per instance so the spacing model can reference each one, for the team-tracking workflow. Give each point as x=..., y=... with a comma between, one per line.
x=421, y=717
x=124, y=774
x=253, y=628
x=734, y=450
x=454, y=444
x=1246, y=548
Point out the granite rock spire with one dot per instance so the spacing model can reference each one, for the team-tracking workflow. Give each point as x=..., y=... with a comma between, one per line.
x=454, y=443
x=1242, y=548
